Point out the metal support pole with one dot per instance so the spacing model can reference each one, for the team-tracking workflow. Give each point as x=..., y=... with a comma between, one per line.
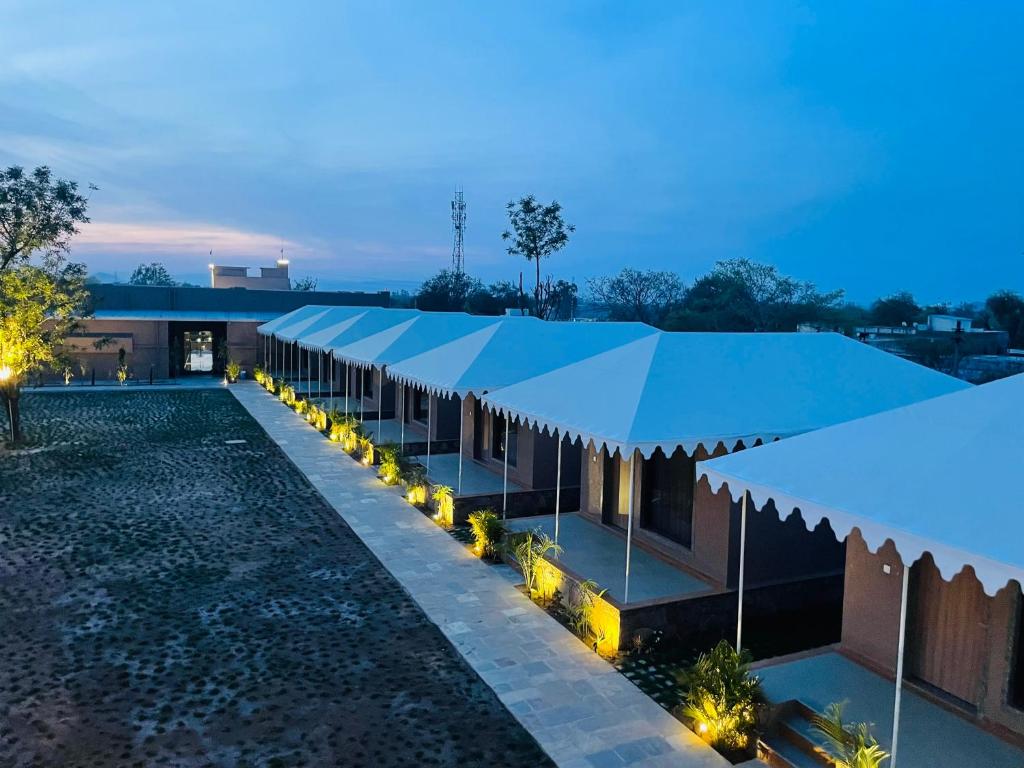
x=401, y=445
x=380, y=399
x=629, y=527
x=320, y=376
x=504, y=479
x=346, y=390
x=462, y=422
x=330, y=373
x=362, y=395
x=558, y=485
x=743, y=557
x=899, y=666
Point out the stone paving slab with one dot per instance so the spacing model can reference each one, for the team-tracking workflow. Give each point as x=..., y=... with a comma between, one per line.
x=578, y=707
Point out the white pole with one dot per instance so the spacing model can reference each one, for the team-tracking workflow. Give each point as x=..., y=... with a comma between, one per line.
x=558, y=485
x=380, y=399
x=320, y=376
x=504, y=481
x=743, y=557
x=362, y=395
x=462, y=421
x=401, y=446
x=346, y=390
x=330, y=373
x=629, y=527
x=899, y=666
x=430, y=422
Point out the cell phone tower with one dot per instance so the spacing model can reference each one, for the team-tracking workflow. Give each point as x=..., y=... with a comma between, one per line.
x=459, y=223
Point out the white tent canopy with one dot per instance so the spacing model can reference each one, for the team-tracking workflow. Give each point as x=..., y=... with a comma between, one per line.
x=937, y=476
x=327, y=337
x=412, y=337
x=296, y=315
x=672, y=390
x=510, y=351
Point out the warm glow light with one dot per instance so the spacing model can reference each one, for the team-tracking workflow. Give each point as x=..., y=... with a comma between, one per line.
x=5, y=373
x=703, y=727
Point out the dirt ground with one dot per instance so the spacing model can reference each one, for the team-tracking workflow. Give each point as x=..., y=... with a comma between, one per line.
x=167, y=598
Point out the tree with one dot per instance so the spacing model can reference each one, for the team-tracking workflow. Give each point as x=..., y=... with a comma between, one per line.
x=307, y=283
x=447, y=291
x=742, y=295
x=37, y=215
x=38, y=309
x=494, y=299
x=558, y=300
x=154, y=273
x=1006, y=310
x=537, y=232
x=646, y=296
x=38, y=302
x=898, y=309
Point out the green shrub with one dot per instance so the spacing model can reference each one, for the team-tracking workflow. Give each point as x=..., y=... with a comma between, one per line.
x=722, y=699
x=232, y=370
x=390, y=470
x=488, y=532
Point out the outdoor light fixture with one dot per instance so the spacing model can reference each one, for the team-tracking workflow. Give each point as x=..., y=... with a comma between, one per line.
x=5, y=373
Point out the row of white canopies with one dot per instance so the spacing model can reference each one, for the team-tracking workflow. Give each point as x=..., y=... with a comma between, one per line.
x=631, y=388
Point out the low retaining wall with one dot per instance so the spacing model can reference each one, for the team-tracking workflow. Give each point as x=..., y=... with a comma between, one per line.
x=520, y=503
x=419, y=447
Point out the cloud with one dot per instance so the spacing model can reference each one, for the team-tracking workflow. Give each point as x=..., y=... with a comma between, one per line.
x=179, y=238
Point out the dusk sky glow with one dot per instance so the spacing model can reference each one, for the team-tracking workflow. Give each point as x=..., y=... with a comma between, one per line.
x=866, y=146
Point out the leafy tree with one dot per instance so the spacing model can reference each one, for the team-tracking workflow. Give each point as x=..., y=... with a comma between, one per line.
x=494, y=299
x=154, y=273
x=39, y=303
x=646, y=296
x=38, y=309
x=1006, y=310
x=447, y=291
x=307, y=283
x=38, y=215
x=742, y=295
x=898, y=309
x=537, y=231
x=558, y=300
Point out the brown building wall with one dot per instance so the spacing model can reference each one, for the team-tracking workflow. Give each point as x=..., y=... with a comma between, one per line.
x=958, y=639
x=147, y=346
x=871, y=602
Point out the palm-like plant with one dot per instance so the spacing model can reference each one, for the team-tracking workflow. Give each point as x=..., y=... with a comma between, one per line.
x=444, y=502
x=722, y=698
x=488, y=531
x=849, y=745
x=529, y=550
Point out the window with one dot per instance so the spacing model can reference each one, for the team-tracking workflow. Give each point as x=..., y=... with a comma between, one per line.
x=498, y=439
x=666, y=496
x=421, y=405
x=198, y=351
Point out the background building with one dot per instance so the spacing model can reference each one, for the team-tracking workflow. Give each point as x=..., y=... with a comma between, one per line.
x=184, y=331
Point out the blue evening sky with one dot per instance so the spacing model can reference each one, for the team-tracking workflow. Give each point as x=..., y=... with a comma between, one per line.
x=871, y=146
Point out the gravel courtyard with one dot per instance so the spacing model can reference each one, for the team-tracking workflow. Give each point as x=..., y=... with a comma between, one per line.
x=167, y=598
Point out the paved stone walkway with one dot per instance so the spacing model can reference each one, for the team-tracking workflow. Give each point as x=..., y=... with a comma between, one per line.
x=581, y=711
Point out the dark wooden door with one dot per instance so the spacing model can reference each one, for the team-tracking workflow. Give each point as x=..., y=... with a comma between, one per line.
x=947, y=631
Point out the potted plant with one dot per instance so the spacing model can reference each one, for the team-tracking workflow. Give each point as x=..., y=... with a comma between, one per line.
x=232, y=371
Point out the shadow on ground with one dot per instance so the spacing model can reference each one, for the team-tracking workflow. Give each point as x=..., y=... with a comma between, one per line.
x=168, y=598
